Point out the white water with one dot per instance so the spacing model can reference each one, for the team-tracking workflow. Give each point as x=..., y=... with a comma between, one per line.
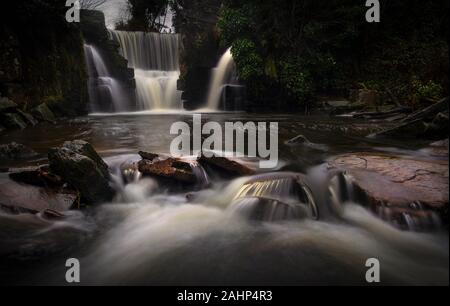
x=220, y=77
x=155, y=59
x=103, y=89
x=162, y=239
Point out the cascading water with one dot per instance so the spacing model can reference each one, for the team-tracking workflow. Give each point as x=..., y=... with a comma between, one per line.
x=155, y=59
x=105, y=92
x=220, y=77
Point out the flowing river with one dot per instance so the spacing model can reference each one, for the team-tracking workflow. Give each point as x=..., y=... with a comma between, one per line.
x=152, y=236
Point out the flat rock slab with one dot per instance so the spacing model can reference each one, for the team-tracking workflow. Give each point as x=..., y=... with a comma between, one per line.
x=34, y=199
x=398, y=181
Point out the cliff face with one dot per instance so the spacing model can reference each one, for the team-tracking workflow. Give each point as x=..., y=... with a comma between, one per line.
x=42, y=58
x=196, y=23
x=96, y=34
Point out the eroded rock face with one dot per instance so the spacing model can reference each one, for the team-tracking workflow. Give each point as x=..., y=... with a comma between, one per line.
x=79, y=165
x=398, y=183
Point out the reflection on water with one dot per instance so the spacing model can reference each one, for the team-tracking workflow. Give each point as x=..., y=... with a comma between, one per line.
x=150, y=236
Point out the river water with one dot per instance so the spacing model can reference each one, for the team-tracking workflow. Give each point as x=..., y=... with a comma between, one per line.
x=151, y=236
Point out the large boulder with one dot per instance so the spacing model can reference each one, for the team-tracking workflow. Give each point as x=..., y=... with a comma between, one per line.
x=398, y=183
x=79, y=165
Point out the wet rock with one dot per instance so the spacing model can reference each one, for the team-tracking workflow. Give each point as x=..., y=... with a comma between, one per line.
x=429, y=123
x=86, y=149
x=397, y=182
x=168, y=168
x=79, y=165
x=29, y=119
x=13, y=121
x=26, y=198
x=148, y=156
x=16, y=151
x=270, y=210
x=52, y=215
x=276, y=196
x=43, y=113
x=41, y=177
x=298, y=140
x=7, y=104
x=438, y=149
x=368, y=97
x=227, y=165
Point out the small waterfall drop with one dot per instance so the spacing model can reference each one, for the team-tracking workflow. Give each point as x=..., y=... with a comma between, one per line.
x=105, y=92
x=220, y=77
x=155, y=59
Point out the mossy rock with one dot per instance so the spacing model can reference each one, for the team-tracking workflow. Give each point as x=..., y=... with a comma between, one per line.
x=42, y=112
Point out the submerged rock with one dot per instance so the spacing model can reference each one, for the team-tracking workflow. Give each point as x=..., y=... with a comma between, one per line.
x=397, y=183
x=79, y=165
x=16, y=151
x=41, y=177
x=276, y=196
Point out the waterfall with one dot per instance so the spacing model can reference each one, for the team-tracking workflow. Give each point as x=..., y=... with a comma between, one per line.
x=220, y=77
x=155, y=59
x=105, y=92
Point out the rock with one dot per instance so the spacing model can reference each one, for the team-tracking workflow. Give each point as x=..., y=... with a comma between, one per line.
x=300, y=139
x=7, y=104
x=276, y=196
x=227, y=165
x=52, y=215
x=438, y=149
x=40, y=177
x=13, y=121
x=148, y=156
x=368, y=97
x=168, y=168
x=26, y=198
x=79, y=165
x=441, y=143
x=43, y=113
x=28, y=117
x=398, y=182
x=84, y=148
x=429, y=123
x=16, y=151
